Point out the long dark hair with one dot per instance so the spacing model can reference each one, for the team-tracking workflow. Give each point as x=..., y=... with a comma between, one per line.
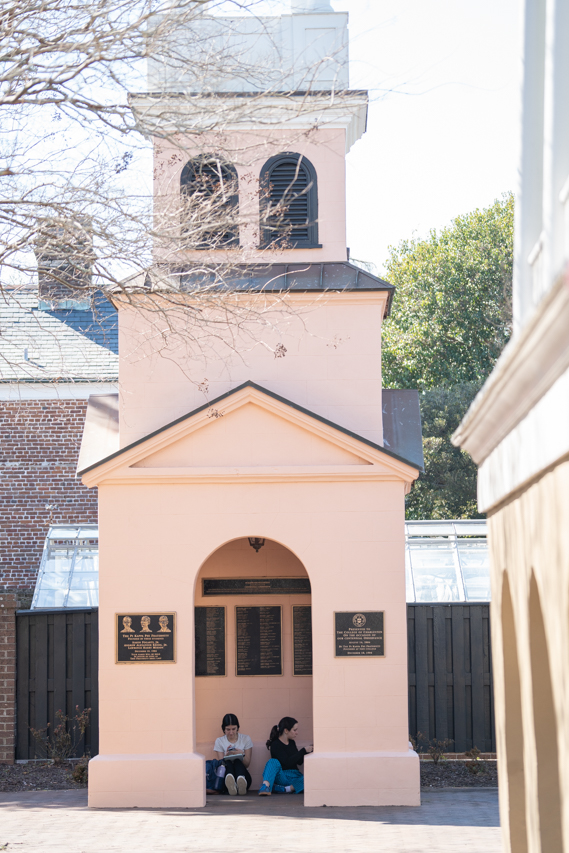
x=287, y=723
x=229, y=720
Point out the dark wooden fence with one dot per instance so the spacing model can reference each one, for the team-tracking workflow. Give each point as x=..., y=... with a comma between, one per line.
x=57, y=668
x=450, y=674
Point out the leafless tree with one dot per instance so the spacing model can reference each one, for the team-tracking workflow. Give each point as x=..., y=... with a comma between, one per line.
x=76, y=200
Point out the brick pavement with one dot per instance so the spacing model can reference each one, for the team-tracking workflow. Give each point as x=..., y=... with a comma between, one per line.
x=448, y=821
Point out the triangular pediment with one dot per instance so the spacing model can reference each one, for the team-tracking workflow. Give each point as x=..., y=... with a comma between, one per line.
x=250, y=433
x=250, y=436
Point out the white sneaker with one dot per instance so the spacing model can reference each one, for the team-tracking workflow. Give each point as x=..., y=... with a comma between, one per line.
x=241, y=785
x=230, y=784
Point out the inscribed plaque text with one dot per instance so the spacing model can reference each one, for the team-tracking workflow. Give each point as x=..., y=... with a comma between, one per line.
x=359, y=634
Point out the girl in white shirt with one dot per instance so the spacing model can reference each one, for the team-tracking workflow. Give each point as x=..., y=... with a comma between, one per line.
x=232, y=743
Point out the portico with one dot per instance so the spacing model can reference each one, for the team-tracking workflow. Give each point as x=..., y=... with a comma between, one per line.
x=331, y=505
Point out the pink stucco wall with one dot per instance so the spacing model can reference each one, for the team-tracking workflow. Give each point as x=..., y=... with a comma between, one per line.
x=331, y=364
x=248, y=151
x=159, y=527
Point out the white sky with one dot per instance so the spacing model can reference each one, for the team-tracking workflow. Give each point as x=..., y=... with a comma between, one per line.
x=442, y=138
x=442, y=133
x=443, y=124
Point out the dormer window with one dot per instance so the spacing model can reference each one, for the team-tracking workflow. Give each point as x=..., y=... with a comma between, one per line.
x=289, y=202
x=210, y=200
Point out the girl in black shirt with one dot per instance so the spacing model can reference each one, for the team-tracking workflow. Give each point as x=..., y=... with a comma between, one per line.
x=281, y=773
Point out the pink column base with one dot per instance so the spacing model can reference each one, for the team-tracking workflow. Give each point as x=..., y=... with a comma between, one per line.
x=362, y=779
x=159, y=780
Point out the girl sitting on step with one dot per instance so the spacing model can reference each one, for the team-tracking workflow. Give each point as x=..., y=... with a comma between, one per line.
x=233, y=751
x=281, y=773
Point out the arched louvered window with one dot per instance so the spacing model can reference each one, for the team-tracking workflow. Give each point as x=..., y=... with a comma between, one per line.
x=289, y=202
x=209, y=193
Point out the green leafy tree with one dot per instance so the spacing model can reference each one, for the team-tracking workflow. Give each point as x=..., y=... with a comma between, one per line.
x=447, y=489
x=450, y=320
x=452, y=312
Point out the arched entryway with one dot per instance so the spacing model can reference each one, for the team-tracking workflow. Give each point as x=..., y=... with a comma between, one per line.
x=256, y=592
x=545, y=726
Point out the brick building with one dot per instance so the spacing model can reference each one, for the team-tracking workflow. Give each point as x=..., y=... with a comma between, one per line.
x=51, y=361
x=53, y=356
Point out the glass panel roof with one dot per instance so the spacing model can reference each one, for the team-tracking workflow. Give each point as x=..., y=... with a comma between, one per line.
x=69, y=569
x=473, y=555
x=426, y=528
x=470, y=528
x=446, y=528
x=436, y=574
x=445, y=561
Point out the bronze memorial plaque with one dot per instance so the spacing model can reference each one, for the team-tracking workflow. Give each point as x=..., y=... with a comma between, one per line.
x=255, y=586
x=359, y=634
x=259, y=640
x=302, y=639
x=146, y=637
x=210, y=640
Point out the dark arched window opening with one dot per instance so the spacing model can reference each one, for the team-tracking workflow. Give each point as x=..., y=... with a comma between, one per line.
x=210, y=200
x=289, y=202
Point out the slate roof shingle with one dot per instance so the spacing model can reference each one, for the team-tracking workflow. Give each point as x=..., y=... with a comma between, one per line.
x=68, y=345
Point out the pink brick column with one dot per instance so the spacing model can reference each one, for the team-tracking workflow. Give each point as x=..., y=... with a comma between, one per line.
x=8, y=606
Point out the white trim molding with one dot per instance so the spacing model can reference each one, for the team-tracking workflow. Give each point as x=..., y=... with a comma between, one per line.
x=15, y=391
x=531, y=366
x=346, y=110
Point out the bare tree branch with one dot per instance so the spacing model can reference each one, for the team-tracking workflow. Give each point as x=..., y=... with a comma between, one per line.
x=81, y=206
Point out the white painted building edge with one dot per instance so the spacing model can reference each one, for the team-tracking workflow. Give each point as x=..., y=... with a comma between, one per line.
x=536, y=443
x=528, y=367
x=518, y=425
x=541, y=245
x=20, y=391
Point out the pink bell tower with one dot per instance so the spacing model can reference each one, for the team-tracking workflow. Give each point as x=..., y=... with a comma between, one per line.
x=251, y=409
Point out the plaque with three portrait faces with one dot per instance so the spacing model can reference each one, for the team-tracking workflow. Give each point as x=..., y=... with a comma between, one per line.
x=145, y=637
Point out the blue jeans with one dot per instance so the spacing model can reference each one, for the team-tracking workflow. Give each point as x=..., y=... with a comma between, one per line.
x=274, y=774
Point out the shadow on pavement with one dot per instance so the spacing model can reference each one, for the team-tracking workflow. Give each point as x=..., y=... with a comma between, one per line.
x=447, y=807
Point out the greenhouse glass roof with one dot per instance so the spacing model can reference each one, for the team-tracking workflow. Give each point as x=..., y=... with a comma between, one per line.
x=69, y=569
x=445, y=561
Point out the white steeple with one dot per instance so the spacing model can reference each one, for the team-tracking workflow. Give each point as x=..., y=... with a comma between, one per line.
x=304, y=50
x=310, y=6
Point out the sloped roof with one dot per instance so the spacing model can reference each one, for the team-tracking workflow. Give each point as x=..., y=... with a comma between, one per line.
x=101, y=436
x=111, y=434
x=299, y=277
x=66, y=345
x=309, y=277
x=402, y=432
